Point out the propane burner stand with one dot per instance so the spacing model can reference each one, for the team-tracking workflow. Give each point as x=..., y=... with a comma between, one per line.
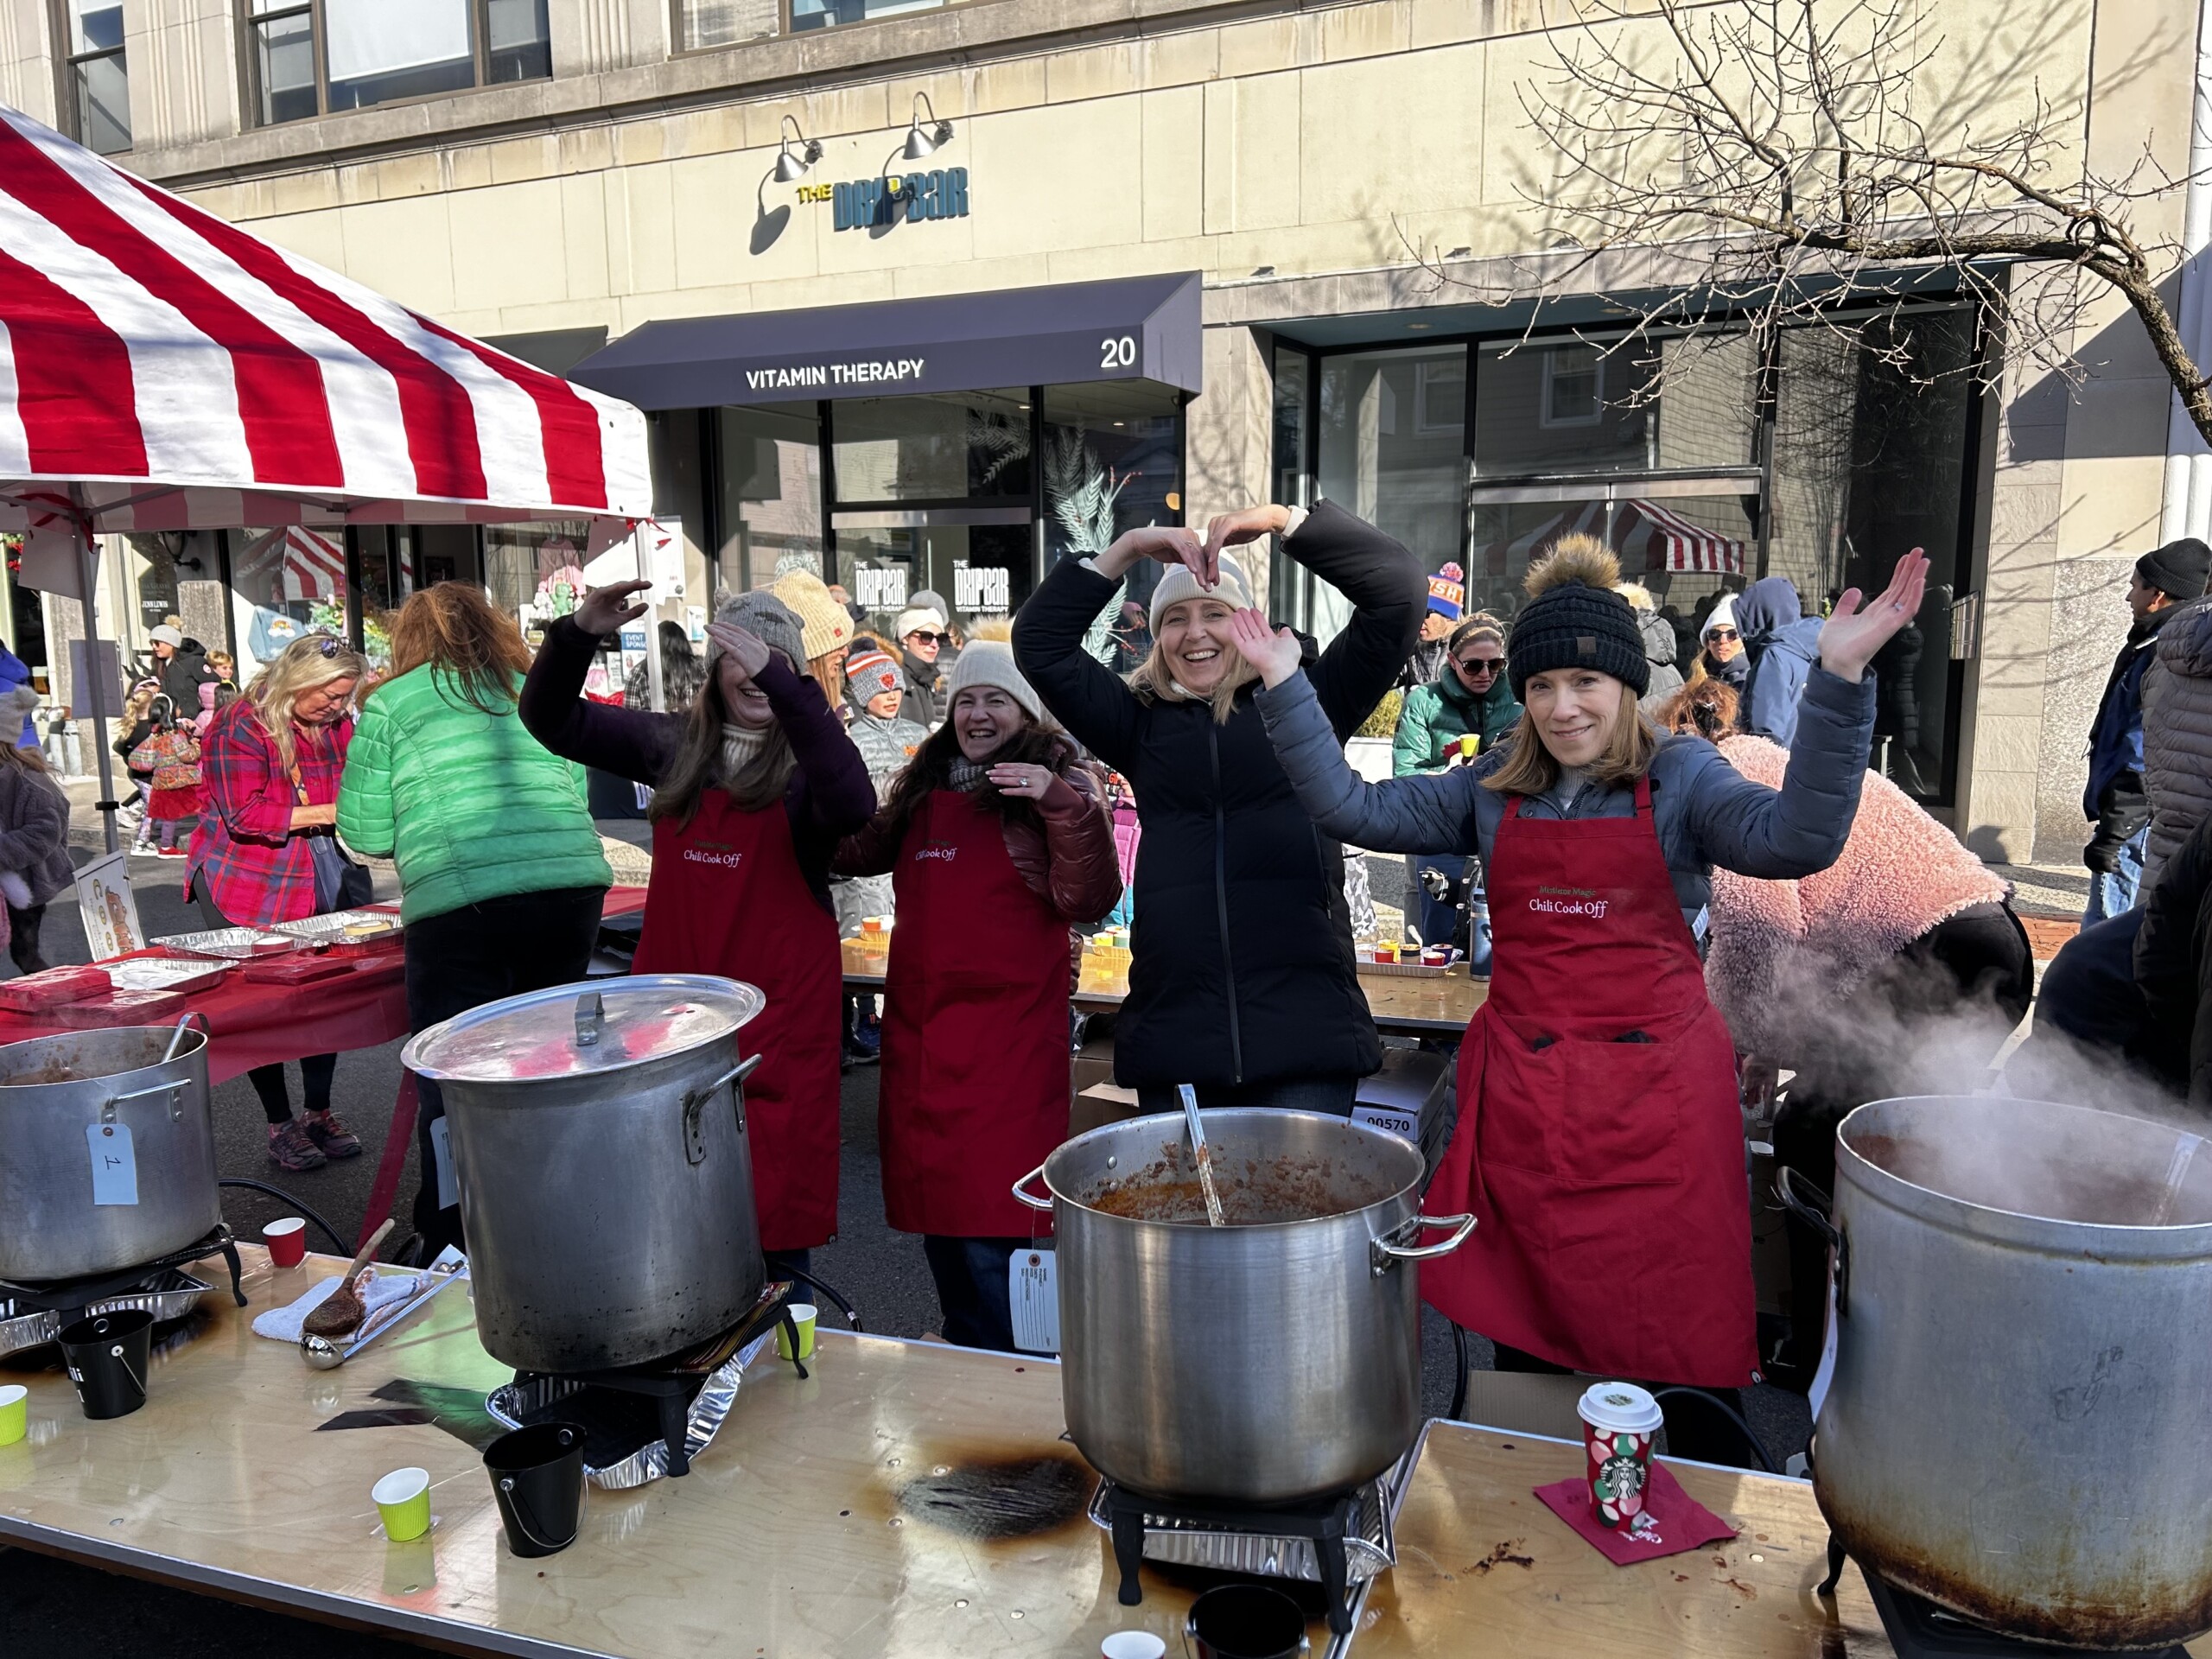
x=71, y=1297
x=1918, y=1629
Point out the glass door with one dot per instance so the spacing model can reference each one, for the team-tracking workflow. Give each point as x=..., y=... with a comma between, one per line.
x=979, y=560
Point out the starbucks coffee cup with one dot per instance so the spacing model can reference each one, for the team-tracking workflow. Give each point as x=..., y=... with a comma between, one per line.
x=1618, y=1420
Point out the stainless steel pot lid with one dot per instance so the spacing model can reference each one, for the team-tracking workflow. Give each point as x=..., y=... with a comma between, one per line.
x=569, y=1030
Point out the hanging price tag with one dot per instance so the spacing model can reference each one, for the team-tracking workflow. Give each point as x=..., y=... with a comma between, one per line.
x=115, y=1166
x=1405, y=1125
x=1032, y=1289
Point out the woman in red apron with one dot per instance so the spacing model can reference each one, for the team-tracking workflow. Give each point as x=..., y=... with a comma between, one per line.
x=1599, y=1142
x=753, y=787
x=997, y=842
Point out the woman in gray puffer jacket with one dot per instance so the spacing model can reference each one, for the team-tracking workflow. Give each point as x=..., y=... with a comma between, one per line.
x=33, y=835
x=874, y=689
x=2177, y=734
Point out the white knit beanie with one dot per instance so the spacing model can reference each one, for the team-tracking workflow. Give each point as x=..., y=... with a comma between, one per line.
x=919, y=619
x=986, y=662
x=1178, y=584
x=1723, y=615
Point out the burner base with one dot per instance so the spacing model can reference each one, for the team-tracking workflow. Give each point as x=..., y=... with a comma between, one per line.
x=1327, y=1524
x=70, y=1298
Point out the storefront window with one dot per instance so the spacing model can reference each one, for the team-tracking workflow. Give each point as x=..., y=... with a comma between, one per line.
x=1113, y=461
x=1544, y=408
x=981, y=571
x=1870, y=453
x=1287, y=584
x=771, y=477
x=1393, y=452
x=954, y=447
x=534, y=572
x=284, y=582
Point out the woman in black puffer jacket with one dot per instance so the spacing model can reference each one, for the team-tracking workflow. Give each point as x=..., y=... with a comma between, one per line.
x=1242, y=981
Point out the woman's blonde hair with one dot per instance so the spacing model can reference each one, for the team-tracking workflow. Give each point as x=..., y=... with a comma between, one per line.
x=452, y=625
x=1154, y=679
x=313, y=660
x=1629, y=747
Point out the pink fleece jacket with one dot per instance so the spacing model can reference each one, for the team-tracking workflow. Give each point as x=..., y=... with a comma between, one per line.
x=1779, y=947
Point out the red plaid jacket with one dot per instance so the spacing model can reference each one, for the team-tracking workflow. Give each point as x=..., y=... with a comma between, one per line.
x=244, y=856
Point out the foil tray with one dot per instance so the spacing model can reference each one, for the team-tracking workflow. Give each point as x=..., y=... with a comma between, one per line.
x=331, y=929
x=510, y=1403
x=1369, y=1554
x=239, y=943
x=171, y=1296
x=165, y=973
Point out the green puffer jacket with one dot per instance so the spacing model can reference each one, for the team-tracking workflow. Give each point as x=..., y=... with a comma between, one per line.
x=1438, y=714
x=469, y=805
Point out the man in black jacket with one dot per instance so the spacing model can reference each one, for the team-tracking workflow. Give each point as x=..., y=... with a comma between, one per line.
x=2173, y=969
x=1243, y=982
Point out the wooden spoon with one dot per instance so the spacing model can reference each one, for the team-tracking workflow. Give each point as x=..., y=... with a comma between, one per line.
x=342, y=1313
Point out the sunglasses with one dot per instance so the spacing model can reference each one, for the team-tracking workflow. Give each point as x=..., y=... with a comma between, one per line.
x=1472, y=665
x=326, y=647
x=1720, y=633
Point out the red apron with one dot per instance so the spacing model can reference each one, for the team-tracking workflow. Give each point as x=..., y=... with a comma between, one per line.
x=974, y=1086
x=727, y=897
x=1614, y=1218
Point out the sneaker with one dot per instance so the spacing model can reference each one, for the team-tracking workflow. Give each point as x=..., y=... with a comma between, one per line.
x=173, y=852
x=335, y=1139
x=291, y=1147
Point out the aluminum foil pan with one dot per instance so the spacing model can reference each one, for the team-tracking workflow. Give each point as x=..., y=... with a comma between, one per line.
x=171, y=1296
x=164, y=973
x=511, y=1403
x=332, y=929
x=241, y=944
x=1370, y=1554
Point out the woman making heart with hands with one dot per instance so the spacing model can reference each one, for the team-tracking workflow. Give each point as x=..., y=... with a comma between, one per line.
x=1599, y=1141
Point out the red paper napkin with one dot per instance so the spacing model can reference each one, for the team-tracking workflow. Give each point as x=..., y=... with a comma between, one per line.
x=1679, y=1521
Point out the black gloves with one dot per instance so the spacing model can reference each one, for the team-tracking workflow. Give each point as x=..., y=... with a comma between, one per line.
x=2122, y=810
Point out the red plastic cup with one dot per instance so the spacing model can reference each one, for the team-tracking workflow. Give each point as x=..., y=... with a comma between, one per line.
x=287, y=1241
x=1618, y=1420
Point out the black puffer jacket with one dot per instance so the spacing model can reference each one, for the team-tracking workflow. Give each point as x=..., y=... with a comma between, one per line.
x=1242, y=970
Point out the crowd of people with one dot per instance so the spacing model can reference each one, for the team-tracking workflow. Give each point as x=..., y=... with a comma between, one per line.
x=1697, y=888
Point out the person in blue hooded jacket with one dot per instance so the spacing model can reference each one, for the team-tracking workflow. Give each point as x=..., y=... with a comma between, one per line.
x=1783, y=643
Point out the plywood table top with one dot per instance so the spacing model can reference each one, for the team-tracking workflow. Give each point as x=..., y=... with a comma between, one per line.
x=907, y=1499
x=1405, y=1005
x=1485, y=1567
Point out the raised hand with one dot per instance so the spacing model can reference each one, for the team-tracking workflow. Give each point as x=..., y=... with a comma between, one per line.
x=1018, y=778
x=1168, y=543
x=1273, y=651
x=605, y=609
x=1232, y=530
x=1850, y=638
x=749, y=651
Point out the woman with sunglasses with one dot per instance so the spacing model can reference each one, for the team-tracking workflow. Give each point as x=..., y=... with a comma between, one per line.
x=1470, y=698
x=1721, y=654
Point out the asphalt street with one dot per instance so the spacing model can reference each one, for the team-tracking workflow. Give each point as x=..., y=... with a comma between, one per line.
x=49, y=1606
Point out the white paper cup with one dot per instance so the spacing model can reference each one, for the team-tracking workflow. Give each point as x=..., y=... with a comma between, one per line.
x=1132, y=1644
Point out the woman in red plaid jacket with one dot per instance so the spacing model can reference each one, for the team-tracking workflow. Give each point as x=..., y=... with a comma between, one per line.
x=270, y=764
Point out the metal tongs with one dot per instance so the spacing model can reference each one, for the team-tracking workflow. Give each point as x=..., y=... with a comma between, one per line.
x=1202, y=1154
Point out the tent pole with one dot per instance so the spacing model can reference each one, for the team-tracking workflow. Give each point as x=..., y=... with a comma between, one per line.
x=94, y=693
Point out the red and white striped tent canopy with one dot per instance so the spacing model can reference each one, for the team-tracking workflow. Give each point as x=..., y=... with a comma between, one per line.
x=162, y=369
x=1648, y=537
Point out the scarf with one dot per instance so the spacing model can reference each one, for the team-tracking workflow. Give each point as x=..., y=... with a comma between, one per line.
x=965, y=775
x=741, y=747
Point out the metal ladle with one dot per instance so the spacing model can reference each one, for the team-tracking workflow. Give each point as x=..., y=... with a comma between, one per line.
x=177, y=1040
x=1202, y=1154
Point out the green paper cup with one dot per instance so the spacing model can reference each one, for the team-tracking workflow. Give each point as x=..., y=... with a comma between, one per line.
x=15, y=1413
x=802, y=1316
x=403, y=1497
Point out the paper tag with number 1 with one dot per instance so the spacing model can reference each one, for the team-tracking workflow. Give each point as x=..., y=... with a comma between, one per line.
x=115, y=1166
x=1033, y=1290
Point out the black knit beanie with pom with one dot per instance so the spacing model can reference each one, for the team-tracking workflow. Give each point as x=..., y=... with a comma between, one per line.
x=1574, y=619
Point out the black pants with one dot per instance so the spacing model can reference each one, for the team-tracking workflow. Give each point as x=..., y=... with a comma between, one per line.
x=23, y=938
x=475, y=955
x=1694, y=1429
x=1974, y=974
x=1336, y=1095
x=972, y=1287
x=267, y=1081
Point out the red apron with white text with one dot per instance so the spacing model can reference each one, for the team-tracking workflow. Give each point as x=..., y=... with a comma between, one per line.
x=1607, y=1176
x=727, y=897
x=974, y=1087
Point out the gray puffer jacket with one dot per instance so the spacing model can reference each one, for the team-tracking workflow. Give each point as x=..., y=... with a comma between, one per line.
x=35, y=831
x=1659, y=647
x=1705, y=811
x=2177, y=732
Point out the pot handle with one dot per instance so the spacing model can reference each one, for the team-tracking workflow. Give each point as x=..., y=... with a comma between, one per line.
x=1813, y=1208
x=1021, y=1192
x=1385, y=1254
x=173, y=1090
x=695, y=1100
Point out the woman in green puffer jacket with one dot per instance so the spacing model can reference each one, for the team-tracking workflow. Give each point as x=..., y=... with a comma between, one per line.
x=500, y=871
x=1470, y=698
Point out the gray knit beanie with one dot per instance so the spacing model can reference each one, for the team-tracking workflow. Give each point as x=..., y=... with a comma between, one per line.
x=762, y=613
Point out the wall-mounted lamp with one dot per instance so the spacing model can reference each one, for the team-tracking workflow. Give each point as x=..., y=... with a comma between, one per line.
x=921, y=140
x=792, y=164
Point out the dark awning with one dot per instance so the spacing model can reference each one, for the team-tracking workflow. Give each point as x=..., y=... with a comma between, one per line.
x=1129, y=328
